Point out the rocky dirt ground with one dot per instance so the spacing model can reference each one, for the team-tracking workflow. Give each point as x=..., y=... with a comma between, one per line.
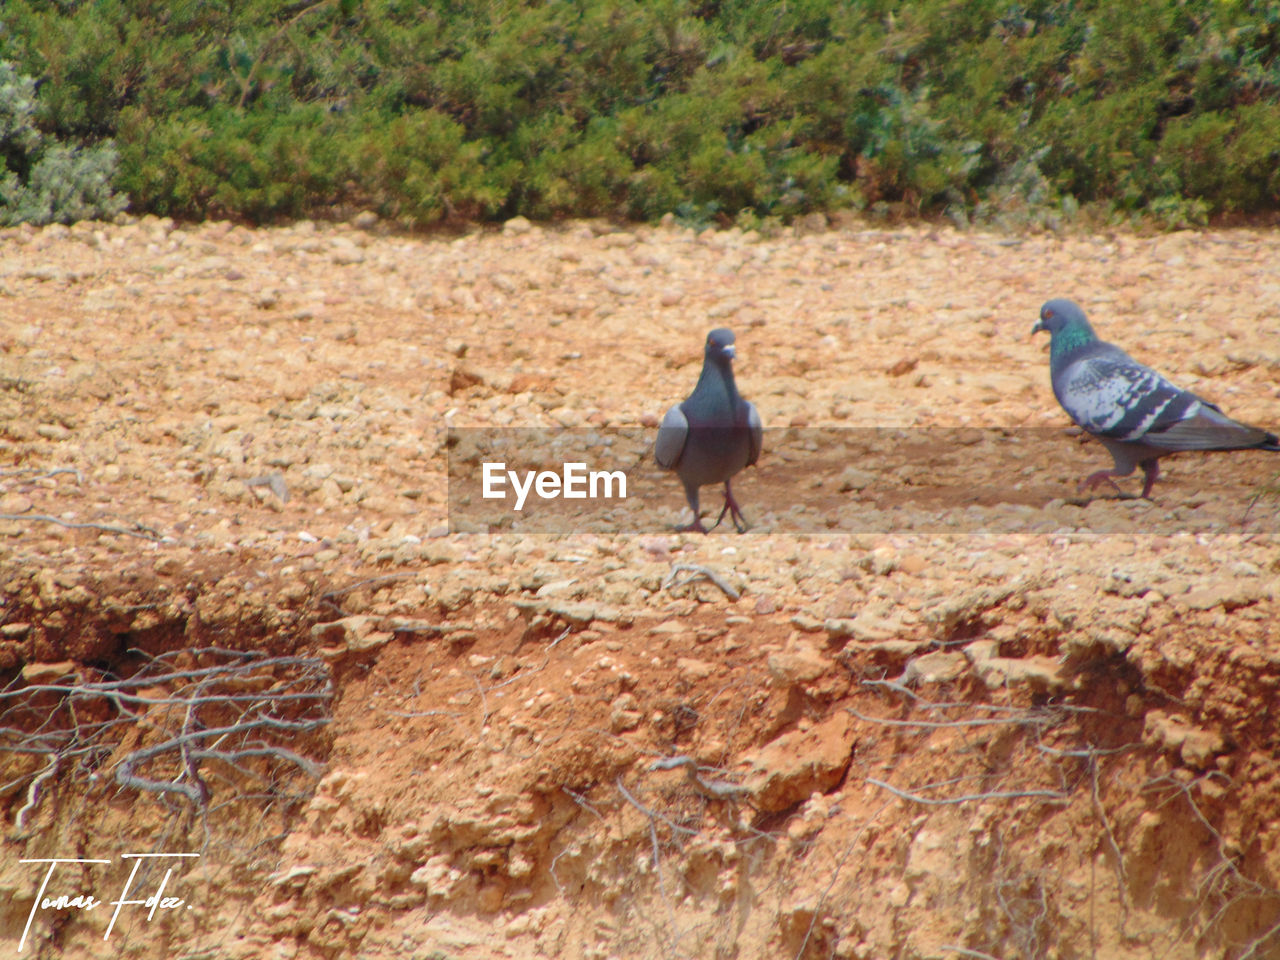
x=935, y=705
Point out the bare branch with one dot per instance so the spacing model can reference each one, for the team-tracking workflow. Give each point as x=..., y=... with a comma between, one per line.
x=697, y=572
x=995, y=795
x=42, y=476
x=966, y=952
x=1027, y=717
x=229, y=713
x=583, y=802
x=1258, y=942
x=711, y=789
x=652, y=814
x=34, y=792
x=139, y=531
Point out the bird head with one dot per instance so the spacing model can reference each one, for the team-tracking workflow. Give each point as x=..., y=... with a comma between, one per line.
x=720, y=346
x=1057, y=315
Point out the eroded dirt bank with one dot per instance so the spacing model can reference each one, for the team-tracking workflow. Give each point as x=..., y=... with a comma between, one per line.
x=1038, y=741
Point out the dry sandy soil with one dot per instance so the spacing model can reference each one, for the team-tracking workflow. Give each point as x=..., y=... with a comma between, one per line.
x=934, y=705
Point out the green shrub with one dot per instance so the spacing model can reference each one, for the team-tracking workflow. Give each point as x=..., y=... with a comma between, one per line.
x=989, y=109
x=42, y=180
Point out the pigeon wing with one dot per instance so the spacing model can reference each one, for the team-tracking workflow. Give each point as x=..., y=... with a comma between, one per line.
x=1114, y=396
x=1205, y=427
x=672, y=434
x=756, y=429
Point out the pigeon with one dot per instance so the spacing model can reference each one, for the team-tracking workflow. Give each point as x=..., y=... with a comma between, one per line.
x=713, y=434
x=1137, y=414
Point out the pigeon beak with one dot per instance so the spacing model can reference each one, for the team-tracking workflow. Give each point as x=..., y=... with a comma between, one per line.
x=730, y=352
x=1038, y=327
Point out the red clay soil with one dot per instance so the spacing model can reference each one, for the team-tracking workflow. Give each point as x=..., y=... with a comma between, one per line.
x=933, y=705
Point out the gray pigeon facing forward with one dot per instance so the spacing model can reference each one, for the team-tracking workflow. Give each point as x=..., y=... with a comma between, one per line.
x=1137, y=414
x=713, y=434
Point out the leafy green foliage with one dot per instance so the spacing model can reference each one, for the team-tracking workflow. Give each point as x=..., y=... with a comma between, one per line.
x=992, y=110
x=43, y=180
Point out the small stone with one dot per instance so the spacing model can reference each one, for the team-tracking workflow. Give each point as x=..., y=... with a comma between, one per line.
x=567, y=417
x=1044, y=673
x=580, y=614
x=14, y=503
x=670, y=628
x=436, y=877
x=807, y=624
x=864, y=628
x=903, y=366
x=39, y=673
x=937, y=667
x=725, y=308
x=559, y=588
x=801, y=762
x=694, y=670
x=345, y=256
x=516, y=226
x=801, y=664
x=357, y=634
x=1195, y=747
x=913, y=564
x=1227, y=595
x=625, y=715
x=53, y=431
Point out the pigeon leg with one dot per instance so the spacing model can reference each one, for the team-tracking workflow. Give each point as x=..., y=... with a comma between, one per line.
x=1093, y=479
x=731, y=507
x=1150, y=470
x=723, y=511
x=735, y=511
x=691, y=493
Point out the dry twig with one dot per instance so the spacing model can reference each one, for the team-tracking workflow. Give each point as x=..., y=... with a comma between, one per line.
x=1025, y=717
x=697, y=572
x=144, y=533
x=994, y=795
x=237, y=713
x=711, y=789
x=43, y=476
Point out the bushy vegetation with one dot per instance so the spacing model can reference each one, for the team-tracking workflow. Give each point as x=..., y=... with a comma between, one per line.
x=715, y=109
x=42, y=181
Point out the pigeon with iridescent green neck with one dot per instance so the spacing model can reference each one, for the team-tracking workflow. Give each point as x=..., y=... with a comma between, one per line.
x=1137, y=414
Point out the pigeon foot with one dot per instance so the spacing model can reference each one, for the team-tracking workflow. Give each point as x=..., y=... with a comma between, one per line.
x=739, y=521
x=1094, y=479
x=735, y=512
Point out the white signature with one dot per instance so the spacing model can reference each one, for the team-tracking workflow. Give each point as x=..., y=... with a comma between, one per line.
x=87, y=901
